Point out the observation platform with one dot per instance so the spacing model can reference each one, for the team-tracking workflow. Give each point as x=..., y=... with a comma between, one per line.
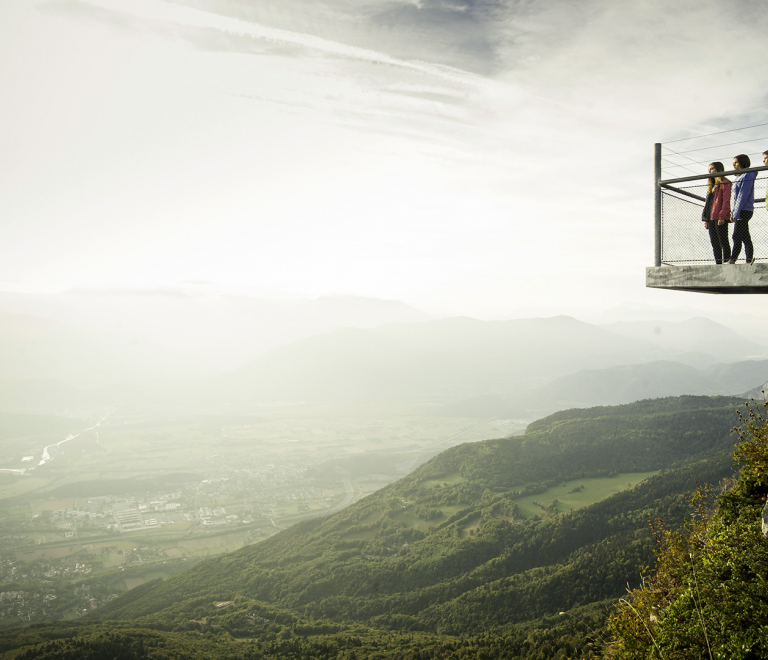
x=714, y=278
x=685, y=252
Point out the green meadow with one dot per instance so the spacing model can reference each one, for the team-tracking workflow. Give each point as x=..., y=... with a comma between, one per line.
x=572, y=495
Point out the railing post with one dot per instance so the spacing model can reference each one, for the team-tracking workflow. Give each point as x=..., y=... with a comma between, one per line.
x=657, y=203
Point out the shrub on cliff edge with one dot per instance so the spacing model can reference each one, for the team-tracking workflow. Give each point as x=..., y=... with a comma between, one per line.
x=708, y=595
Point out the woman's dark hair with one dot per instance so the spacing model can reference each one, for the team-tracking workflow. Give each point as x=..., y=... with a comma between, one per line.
x=743, y=160
x=711, y=183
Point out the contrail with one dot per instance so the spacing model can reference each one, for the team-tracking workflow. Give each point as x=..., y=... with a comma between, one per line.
x=157, y=10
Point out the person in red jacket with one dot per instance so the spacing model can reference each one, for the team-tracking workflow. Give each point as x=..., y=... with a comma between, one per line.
x=717, y=213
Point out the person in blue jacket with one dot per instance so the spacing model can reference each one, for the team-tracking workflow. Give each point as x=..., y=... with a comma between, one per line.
x=742, y=209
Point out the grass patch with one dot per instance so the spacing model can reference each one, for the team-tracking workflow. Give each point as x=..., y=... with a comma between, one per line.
x=368, y=535
x=21, y=485
x=450, y=479
x=57, y=552
x=408, y=517
x=470, y=527
x=114, y=559
x=52, y=505
x=593, y=490
x=132, y=583
x=180, y=526
x=451, y=509
x=372, y=517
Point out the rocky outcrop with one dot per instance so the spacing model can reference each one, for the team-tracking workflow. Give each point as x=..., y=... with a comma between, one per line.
x=765, y=520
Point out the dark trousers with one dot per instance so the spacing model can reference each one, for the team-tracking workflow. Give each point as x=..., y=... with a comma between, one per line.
x=741, y=235
x=718, y=236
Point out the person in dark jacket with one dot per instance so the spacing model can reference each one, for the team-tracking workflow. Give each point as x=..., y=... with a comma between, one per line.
x=742, y=209
x=717, y=213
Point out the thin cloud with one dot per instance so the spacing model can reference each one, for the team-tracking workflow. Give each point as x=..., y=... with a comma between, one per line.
x=151, y=12
x=530, y=144
x=430, y=103
x=459, y=34
x=426, y=94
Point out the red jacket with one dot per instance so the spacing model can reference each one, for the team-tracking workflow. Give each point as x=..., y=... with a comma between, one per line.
x=721, y=204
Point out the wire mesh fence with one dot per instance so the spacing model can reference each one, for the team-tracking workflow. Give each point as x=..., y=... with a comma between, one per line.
x=680, y=169
x=691, y=155
x=684, y=237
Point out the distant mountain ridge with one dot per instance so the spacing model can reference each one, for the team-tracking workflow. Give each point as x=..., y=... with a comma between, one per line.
x=528, y=364
x=448, y=357
x=35, y=349
x=627, y=383
x=694, y=336
x=217, y=330
x=518, y=368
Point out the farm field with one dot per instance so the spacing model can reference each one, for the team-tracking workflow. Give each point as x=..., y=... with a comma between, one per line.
x=572, y=495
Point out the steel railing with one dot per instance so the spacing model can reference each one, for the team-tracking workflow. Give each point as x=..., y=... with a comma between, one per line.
x=680, y=236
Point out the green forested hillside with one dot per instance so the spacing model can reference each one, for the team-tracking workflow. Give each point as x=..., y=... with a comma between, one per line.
x=445, y=555
x=708, y=595
x=647, y=435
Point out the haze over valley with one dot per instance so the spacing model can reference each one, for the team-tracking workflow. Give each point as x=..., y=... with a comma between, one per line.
x=99, y=349
x=325, y=333
x=125, y=458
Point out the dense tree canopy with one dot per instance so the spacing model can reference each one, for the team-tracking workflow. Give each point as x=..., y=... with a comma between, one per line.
x=708, y=596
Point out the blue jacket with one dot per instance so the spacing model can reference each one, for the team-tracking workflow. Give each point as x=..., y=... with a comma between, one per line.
x=743, y=194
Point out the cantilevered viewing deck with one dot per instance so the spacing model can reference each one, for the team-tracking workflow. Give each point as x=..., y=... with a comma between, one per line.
x=684, y=255
x=739, y=278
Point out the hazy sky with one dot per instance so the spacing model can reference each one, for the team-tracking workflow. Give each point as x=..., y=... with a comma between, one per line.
x=469, y=156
